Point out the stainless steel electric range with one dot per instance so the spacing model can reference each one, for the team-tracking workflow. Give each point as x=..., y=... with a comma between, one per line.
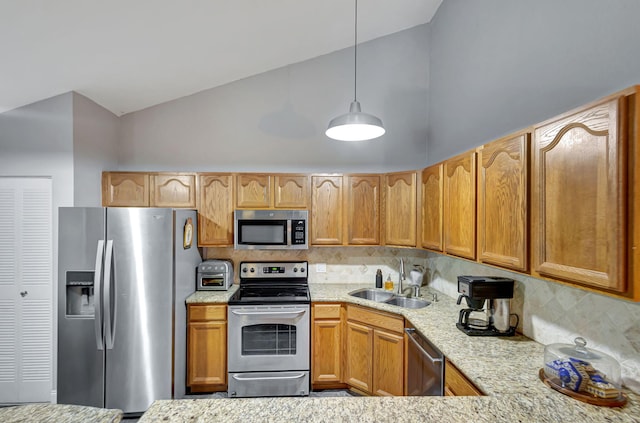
x=269, y=331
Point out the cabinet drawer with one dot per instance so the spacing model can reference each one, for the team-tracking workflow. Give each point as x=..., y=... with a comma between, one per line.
x=207, y=312
x=376, y=318
x=326, y=311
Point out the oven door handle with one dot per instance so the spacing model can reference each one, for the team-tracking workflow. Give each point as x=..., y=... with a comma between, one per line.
x=268, y=313
x=297, y=376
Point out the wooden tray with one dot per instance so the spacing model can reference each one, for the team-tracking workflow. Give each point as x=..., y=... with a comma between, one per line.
x=619, y=401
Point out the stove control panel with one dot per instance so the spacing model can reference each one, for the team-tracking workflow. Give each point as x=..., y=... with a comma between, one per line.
x=271, y=269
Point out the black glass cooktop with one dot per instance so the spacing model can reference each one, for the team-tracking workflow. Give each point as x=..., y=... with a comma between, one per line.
x=272, y=294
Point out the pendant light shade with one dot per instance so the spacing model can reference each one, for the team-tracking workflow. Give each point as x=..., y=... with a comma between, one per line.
x=355, y=125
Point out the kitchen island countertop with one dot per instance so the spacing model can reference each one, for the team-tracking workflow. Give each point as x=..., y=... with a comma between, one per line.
x=504, y=368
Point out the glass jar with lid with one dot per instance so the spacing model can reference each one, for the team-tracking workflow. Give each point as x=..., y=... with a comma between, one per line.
x=583, y=373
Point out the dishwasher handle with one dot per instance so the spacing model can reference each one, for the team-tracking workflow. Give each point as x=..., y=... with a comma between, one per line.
x=410, y=332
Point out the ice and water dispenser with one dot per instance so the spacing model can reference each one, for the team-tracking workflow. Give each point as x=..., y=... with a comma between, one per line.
x=80, y=293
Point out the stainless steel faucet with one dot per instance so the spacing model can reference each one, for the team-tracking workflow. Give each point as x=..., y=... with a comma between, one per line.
x=401, y=277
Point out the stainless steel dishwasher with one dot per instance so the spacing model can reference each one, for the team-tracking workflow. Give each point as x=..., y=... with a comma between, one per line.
x=425, y=366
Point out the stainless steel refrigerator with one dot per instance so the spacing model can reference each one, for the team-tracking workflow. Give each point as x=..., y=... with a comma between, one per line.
x=123, y=277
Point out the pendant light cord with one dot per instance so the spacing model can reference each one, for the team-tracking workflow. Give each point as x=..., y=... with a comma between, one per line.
x=355, y=56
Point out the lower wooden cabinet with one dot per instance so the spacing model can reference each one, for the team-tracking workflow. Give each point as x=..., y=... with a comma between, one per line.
x=206, y=347
x=326, y=346
x=374, y=349
x=456, y=383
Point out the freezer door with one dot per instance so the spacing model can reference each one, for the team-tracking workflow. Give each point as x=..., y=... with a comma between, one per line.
x=138, y=322
x=80, y=362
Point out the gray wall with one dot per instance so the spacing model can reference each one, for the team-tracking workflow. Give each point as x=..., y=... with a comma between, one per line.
x=37, y=140
x=275, y=121
x=95, y=139
x=498, y=66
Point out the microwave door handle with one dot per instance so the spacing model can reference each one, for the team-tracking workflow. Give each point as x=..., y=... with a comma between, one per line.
x=410, y=333
x=97, y=284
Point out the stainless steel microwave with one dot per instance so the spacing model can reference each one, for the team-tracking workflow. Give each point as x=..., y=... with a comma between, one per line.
x=271, y=229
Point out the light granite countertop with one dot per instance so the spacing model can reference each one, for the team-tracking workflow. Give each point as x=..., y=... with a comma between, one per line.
x=504, y=368
x=59, y=413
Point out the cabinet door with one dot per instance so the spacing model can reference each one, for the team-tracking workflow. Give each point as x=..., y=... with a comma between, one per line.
x=326, y=210
x=173, y=190
x=123, y=189
x=460, y=205
x=578, y=198
x=457, y=384
x=388, y=363
x=502, y=202
x=206, y=355
x=432, y=191
x=215, y=210
x=326, y=343
x=253, y=190
x=291, y=191
x=400, y=209
x=363, y=209
x=359, y=351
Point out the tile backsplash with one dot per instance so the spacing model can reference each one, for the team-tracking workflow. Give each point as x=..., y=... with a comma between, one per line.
x=549, y=312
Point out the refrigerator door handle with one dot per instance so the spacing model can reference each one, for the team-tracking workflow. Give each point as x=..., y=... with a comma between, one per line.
x=97, y=282
x=109, y=298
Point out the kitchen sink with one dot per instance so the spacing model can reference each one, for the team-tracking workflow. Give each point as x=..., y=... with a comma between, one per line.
x=388, y=298
x=372, y=294
x=407, y=302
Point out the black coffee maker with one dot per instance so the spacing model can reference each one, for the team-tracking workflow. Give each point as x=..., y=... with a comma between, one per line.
x=488, y=306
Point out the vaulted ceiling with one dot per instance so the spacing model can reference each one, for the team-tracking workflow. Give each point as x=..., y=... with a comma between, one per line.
x=127, y=55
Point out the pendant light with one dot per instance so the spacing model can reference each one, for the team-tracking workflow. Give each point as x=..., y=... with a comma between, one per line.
x=355, y=125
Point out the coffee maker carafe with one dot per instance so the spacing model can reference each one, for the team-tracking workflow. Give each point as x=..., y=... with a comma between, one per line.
x=487, y=312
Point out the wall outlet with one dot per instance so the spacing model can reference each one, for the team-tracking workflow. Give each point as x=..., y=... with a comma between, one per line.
x=321, y=268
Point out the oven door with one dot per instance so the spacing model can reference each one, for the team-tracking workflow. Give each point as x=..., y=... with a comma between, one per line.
x=268, y=338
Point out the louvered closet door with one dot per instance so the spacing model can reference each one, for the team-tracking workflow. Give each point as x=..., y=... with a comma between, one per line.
x=25, y=290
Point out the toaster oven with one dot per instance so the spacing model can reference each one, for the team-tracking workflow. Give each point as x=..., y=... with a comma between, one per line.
x=214, y=275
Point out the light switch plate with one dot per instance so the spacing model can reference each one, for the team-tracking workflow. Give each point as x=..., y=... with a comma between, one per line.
x=321, y=268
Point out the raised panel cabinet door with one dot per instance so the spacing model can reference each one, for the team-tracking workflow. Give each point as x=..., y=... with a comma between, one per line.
x=432, y=192
x=460, y=205
x=457, y=384
x=400, y=209
x=253, y=190
x=326, y=210
x=207, y=353
x=173, y=190
x=579, y=195
x=502, y=202
x=363, y=209
x=326, y=353
x=291, y=191
x=388, y=363
x=359, y=356
x=125, y=189
x=215, y=210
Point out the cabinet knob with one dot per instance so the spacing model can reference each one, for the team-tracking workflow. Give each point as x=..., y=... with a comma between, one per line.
x=23, y=294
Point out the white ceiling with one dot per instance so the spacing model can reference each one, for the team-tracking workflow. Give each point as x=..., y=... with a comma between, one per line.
x=127, y=55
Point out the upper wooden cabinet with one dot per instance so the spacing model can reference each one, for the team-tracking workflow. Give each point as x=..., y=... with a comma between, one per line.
x=291, y=191
x=460, y=205
x=326, y=210
x=215, y=209
x=125, y=189
x=579, y=197
x=432, y=198
x=177, y=190
x=400, y=204
x=503, y=202
x=363, y=209
x=263, y=191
